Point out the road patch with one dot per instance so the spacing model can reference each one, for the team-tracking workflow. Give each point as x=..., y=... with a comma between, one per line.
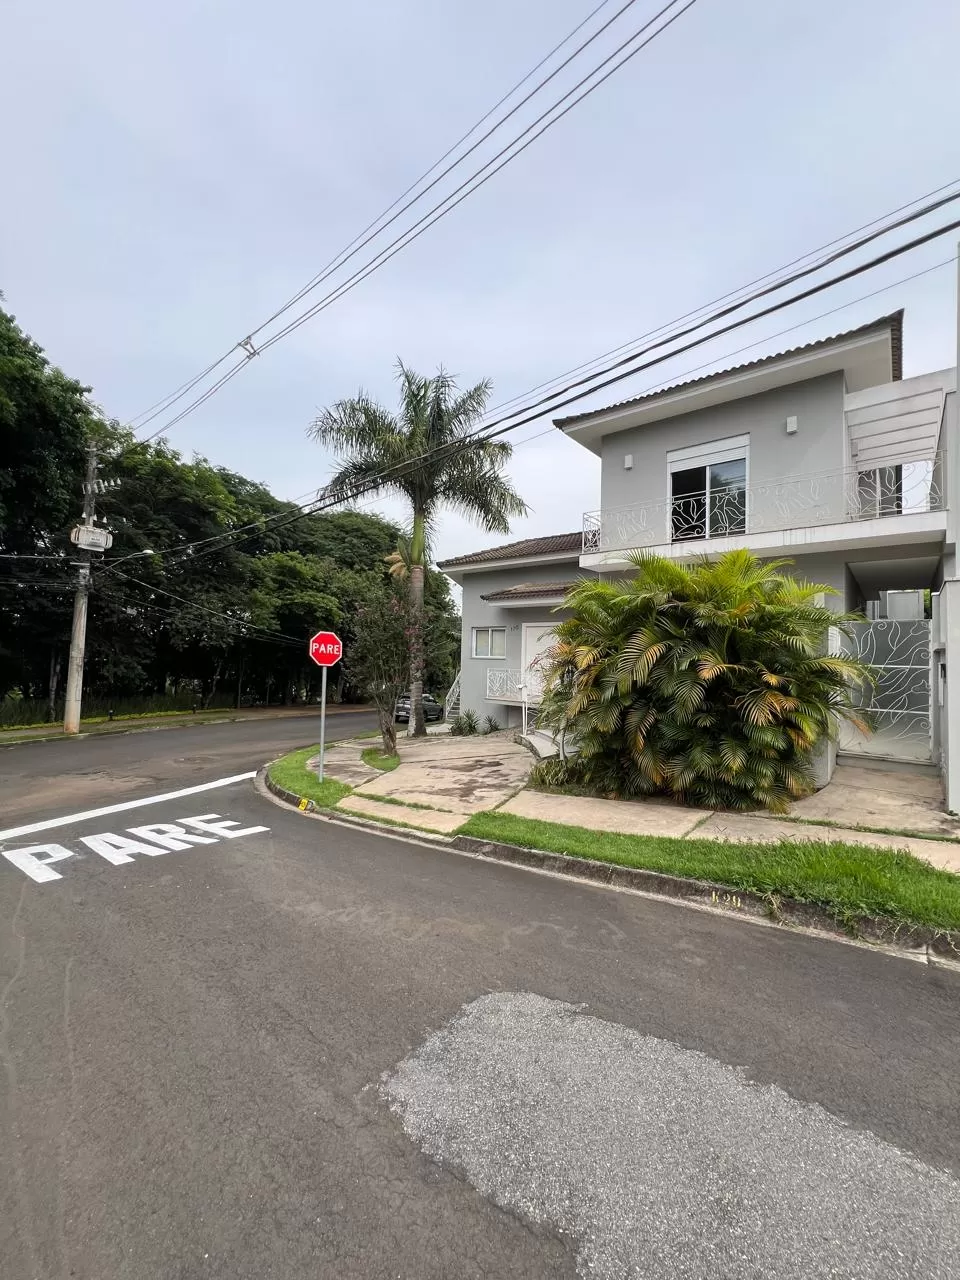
x=658, y=1160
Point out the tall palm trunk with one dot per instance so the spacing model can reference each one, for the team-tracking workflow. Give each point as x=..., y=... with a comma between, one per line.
x=417, y=557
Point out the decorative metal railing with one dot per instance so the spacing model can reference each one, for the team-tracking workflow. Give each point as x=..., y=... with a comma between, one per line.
x=901, y=488
x=451, y=703
x=509, y=685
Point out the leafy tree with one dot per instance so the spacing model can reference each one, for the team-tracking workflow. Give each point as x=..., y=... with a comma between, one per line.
x=222, y=608
x=45, y=418
x=423, y=454
x=377, y=660
x=709, y=683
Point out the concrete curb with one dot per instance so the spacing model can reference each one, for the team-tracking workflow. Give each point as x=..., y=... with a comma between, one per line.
x=938, y=944
x=340, y=816
x=918, y=942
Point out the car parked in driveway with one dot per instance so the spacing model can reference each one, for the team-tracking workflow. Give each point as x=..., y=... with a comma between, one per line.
x=432, y=709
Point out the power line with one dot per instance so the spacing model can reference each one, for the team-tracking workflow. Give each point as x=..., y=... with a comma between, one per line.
x=216, y=613
x=336, y=262
x=733, y=293
x=250, y=631
x=760, y=342
x=554, y=401
x=359, y=240
x=16, y=555
x=438, y=212
x=671, y=326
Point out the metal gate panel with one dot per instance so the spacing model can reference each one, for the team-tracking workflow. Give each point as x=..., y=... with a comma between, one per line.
x=899, y=702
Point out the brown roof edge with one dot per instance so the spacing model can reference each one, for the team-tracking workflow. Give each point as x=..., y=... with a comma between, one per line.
x=893, y=322
x=554, y=544
x=530, y=591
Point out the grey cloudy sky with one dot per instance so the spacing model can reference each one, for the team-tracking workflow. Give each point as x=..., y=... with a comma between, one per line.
x=176, y=171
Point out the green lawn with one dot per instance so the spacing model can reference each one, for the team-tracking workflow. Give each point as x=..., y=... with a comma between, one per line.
x=374, y=757
x=291, y=773
x=846, y=879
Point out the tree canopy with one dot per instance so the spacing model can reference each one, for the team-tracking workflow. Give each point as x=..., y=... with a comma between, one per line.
x=223, y=608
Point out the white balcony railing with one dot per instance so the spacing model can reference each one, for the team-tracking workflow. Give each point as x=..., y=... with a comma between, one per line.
x=905, y=487
x=506, y=685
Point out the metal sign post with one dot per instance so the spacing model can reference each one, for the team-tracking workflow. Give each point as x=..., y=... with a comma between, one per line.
x=326, y=650
x=323, y=721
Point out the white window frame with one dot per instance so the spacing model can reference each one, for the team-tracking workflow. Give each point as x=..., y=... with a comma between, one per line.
x=732, y=449
x=488, y=657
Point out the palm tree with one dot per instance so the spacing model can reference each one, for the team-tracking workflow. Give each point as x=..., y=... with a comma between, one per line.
x=711, y=683
x=424, y=453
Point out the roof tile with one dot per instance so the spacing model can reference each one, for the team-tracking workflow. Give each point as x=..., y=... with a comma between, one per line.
x=893, y=322
x=555, y=544
x=530, y=591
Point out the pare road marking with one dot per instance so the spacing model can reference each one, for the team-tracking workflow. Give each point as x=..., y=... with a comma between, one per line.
x=12, y=833
x=153, y=840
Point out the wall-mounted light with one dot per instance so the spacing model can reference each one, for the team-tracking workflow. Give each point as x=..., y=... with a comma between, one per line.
x=791, y=426
x=628, y=462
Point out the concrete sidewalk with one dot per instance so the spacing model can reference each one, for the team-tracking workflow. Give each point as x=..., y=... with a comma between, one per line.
x=649, y=818
x=439, y=784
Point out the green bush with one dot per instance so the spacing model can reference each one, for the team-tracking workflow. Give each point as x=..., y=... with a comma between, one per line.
x=491, y=724
x=465, y=725
x=710, y=683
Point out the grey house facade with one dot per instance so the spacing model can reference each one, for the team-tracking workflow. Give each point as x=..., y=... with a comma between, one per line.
x=824, y=455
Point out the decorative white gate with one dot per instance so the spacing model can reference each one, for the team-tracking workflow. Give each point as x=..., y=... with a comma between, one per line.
x=899, y=703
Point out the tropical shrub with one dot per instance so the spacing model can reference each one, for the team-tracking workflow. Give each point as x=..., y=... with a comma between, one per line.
x=710, y=683
x=491, y=724
x=465, y=725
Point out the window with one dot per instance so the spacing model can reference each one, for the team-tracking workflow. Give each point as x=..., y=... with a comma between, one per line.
x=708, y=489
x=489, y=642
x=880, y=492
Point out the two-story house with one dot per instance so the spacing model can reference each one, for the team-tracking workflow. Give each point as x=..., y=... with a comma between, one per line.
x=824, y=455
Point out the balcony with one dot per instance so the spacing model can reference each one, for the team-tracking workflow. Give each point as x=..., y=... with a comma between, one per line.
x=911, y=485
x=506, y=685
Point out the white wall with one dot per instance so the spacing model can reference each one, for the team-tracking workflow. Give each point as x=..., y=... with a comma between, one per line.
x=816, y=446
x=480, y=613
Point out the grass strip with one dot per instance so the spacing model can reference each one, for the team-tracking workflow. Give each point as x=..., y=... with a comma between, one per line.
x=374, y=757
x=291, y=773
x=844, y=879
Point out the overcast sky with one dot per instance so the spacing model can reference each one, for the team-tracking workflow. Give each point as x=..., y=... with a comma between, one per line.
x=174, y=172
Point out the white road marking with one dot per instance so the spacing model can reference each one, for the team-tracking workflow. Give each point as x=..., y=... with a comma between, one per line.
x=36, y=867
x=12, y=833
x=35, y=859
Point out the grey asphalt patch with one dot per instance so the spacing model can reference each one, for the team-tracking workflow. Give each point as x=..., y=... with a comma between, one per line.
x=661, y=1162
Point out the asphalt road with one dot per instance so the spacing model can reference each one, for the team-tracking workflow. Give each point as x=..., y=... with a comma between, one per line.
x=204, y=1049
x=79, y=773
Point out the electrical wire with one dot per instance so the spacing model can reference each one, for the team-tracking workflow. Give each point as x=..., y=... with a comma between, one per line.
x=216, y=613
x=250, y=633
x=678, y=379
x=670, y=327
x=438, y=212
x=733, y=293
x=560, y=399
x=359, y=241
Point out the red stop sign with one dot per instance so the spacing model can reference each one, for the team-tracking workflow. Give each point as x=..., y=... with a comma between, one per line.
x=325, y=648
